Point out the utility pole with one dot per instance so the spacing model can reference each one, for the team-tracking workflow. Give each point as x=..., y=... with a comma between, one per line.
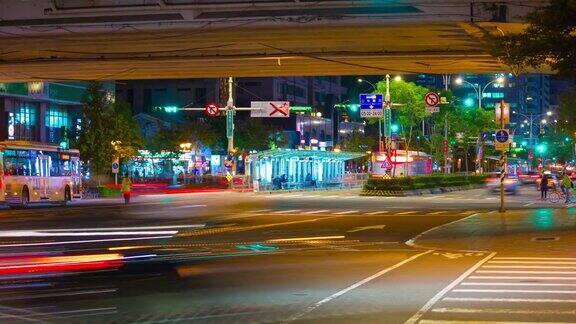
x=503, y=162
x=230, y=111
x=388, y=116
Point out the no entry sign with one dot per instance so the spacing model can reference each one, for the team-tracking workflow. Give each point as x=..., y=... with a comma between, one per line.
x=432, y=99
x=212, y=110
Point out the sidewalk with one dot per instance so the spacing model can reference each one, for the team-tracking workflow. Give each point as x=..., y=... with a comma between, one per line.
x=519, y=232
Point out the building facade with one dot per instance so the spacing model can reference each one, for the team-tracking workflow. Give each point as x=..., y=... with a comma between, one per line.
x=48, y=112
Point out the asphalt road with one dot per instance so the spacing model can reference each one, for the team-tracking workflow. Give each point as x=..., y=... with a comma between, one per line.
x=290, y=257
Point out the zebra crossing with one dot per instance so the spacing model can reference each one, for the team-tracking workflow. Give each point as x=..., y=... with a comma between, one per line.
x=348, y=196
x=507, y=290
x=355, y=212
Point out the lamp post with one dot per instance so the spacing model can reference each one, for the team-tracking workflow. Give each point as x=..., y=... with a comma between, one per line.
x=478, y=89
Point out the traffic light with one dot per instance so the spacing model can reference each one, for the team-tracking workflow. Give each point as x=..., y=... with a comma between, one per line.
x=167, y=109
x=541, y=148
x=353, y=107
x=394, y=128
x=567, y=139
x=524, y=143
x=468, y=102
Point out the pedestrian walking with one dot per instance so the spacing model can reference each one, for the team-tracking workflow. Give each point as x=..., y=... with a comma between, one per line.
x=126, y=188
x=567, y=187
x=544, y=187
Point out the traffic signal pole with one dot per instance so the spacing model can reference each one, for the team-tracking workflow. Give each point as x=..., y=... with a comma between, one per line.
x=503, y=162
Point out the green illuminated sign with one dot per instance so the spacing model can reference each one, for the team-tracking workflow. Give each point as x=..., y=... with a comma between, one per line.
x=300, y=109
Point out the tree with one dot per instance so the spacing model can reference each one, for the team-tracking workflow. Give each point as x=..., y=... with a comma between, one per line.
x=106, y=122
x=549, y=39
x=357, y=142
x=253, y=134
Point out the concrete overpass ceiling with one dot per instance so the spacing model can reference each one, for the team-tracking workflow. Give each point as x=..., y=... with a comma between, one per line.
x=146, y=39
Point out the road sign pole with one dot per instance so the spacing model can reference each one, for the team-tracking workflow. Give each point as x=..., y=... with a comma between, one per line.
x=230, y=117
x=503, y=162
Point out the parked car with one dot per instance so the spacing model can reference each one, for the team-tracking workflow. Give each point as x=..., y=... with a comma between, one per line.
x=528, y=177
x=510, y=183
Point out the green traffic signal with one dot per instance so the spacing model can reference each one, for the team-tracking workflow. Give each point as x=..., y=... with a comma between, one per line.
x=394, y=128
x=468, y=102
x=541, y=148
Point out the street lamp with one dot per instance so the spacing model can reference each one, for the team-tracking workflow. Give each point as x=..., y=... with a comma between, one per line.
x=478, y=89
x=398, y=78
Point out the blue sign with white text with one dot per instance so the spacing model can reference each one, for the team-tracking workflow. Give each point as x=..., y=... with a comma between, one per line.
x=371, y=105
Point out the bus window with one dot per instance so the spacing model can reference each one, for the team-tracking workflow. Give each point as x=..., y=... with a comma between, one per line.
x=19, y=163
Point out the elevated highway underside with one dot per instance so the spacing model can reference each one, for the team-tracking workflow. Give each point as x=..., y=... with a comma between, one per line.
x=71, y=48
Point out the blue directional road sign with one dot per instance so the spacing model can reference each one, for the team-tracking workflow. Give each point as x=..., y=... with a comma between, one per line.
x=371, y=105
x=502, y=142
x=502, y=136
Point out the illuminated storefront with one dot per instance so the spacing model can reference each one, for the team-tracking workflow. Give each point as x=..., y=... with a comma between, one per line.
x=299, y=167
x=400, y=163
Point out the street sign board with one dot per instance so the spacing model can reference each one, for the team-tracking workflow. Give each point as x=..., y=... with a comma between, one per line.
x=502, y=142
x=431, y=99
x=212, y=110
x=115, y=165
x=386, y=164
x=434, y=109
x=371, y=105
x=230, y=123
x=275, y=109
x=498, y=111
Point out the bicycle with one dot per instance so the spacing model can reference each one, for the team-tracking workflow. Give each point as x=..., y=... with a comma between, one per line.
x=555, y=195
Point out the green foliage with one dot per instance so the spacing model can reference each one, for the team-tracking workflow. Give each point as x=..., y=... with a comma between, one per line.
x=549, y=39
x=253, y=134
x=103, y=123
x=424, y=182
x=357, y=142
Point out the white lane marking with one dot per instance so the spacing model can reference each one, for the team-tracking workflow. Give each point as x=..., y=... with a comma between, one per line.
x=289, y=211
x=527, y=271
x=523, y=291
x=436, y=213
x=509, y=300
x=88, y=233
x=529, y=204
x=522, y=278
x=332, y=196
x=523, y=266
x=346, y=212
x=73, y=293
x=467, y=212
x=357, y=284
x=412, y=241
x=377, y=212
x=311, y=196
x=87, y=241
x=406, y=213
x=531, y=262
x=349, y=197
x=99, y=229
x=535, y=284
x=502, y=311
x=260, y=211
x=313, y=238
x=416, y=317
x=364, y=228
x=535, y=258
x=188, y=206
x=316, y=211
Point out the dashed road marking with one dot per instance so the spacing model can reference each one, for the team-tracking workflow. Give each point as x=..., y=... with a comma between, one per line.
x=346, y=212
x=290, y=211
x=377, y=212
x=406, y=213
x=524, y=291
x=316, y=211
x=510, y=300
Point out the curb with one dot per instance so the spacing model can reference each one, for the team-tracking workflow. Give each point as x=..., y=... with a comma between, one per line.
x=416, y=192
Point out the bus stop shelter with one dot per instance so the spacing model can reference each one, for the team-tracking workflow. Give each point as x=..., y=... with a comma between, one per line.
x=286, y=168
